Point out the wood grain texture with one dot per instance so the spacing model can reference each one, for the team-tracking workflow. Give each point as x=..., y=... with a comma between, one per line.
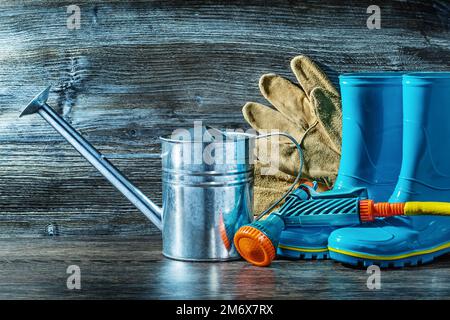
x=133, y=268
x=137, y=70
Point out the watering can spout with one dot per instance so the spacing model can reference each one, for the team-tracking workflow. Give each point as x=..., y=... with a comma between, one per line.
x=100, y=162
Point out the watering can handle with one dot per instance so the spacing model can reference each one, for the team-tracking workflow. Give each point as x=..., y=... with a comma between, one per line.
x=297, y=178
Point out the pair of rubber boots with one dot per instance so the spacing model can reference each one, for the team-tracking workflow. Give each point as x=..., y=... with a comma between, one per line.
x=396, y=148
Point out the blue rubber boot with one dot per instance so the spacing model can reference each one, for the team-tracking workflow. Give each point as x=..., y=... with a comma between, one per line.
x=424, y=176
x=371, y=154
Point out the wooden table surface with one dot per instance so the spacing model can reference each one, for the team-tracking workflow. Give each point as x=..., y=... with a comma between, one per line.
x=133, y=268
x=137, y=70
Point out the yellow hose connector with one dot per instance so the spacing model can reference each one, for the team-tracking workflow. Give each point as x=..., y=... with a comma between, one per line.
x=369, y=210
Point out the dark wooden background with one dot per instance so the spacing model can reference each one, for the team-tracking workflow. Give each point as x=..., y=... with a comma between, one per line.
x=137, y=70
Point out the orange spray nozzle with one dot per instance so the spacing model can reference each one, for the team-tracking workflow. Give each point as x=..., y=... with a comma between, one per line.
x=257, y=242
x=254, y=246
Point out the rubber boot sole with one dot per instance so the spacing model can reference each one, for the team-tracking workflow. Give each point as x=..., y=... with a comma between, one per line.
x=297, y=253
x=414, y=258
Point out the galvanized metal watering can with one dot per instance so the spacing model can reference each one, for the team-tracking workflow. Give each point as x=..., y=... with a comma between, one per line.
x=207, y=186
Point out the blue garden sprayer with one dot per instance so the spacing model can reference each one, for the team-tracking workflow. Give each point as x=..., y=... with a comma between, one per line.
x=257, y=242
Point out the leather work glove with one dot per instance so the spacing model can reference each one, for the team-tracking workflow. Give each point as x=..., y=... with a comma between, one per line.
x=311, y=113
x=269, y=188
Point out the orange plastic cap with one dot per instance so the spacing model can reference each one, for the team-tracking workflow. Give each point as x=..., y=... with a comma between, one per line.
x=366, y=213
x=254, y=246
x=309, y=183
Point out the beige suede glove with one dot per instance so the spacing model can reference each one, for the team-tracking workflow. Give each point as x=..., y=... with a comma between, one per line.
x=311, y=113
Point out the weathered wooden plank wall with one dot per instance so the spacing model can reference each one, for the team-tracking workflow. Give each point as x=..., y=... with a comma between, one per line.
x=136, y=70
